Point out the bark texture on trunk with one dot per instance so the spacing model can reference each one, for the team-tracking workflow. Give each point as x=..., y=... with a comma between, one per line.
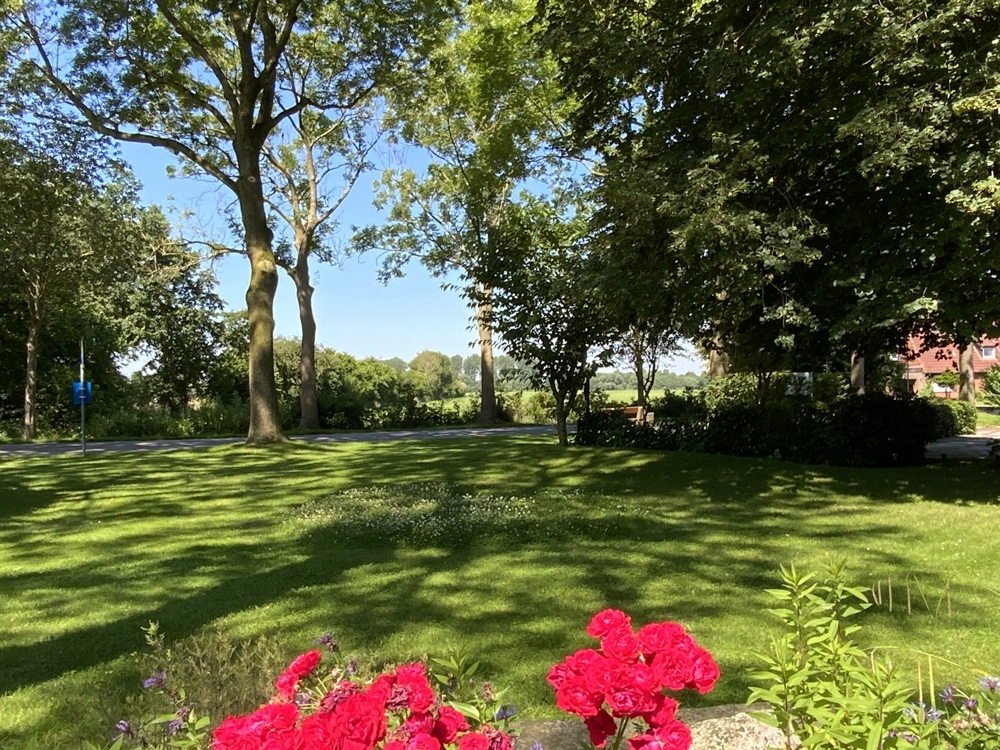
x=640, y=381
x=967, y=375
x=857, y=374
x=265, y=421
x=718, y=360
x=487, y=377
x=561, y=415
x=31, y=374
x=308, y=401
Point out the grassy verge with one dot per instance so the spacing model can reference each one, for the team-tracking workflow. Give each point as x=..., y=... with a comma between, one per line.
x=985, y=419
x=503, y=546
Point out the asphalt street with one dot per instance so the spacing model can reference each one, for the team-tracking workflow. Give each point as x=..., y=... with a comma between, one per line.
x=129, y=446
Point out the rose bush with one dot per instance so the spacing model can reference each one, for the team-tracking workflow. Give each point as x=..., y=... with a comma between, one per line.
x=398, y=710
x=624, y=681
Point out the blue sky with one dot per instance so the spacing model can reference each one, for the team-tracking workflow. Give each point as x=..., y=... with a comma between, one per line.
x=355, y=313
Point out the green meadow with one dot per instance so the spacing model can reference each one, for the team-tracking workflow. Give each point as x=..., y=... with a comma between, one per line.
x=502, y=546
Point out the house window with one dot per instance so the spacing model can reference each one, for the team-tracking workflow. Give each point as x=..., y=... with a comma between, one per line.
x=989, y=352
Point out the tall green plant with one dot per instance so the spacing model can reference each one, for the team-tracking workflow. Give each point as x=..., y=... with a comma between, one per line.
x=825, y=691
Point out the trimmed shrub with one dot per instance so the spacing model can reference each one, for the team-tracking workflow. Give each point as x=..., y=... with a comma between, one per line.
x=953, y=417
x=871, y=430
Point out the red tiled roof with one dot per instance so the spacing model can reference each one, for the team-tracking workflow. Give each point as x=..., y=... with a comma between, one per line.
x=934, y=361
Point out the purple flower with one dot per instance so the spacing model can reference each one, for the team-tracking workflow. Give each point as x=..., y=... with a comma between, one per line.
x=505, y=712
x=536, y=746
x=182, y=716
x=124, y=730
x=155, y=680
x=970, y=704
x=948, y=694
x=329, y=641
x=990, y=683
x=932, y=714
x=302, y=699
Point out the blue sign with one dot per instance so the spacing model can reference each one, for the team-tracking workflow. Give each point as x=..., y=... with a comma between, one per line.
x=83, y=394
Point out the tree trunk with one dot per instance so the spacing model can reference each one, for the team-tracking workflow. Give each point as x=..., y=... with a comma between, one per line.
x=31, y=372
x=718, y=360
x=487, y=380
x=857, y=374
x=561, y=417
x=640, y=380
x=308, y=402
x=967, y=375
x=265, y=422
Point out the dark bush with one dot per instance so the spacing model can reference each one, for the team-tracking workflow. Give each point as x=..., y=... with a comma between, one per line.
x=873, y=430
x=953, y=417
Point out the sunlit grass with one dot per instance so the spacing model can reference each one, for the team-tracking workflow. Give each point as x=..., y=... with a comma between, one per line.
x=985, y=419
x=503, y=545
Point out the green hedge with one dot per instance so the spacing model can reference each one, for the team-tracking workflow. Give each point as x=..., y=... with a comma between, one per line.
x=871, y=430
x=953, y=417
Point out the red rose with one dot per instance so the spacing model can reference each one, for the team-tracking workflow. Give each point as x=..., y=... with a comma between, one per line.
x=641, y=676
x=646, y=741
x=286, y=684
x=620, y=644
x=558, y=674
x=306, y=663
x=497, y=740
x=600, y=727
x=574, y=697
x=658, y=636
x=362, y=721
x=408, y=672
x=285, y=740
x=663, y=713
x=421, y=723
x=449, y=723
x=604, y=622
x=604, y=675
x=233, y=734
x=629, y=701
x=319, y=732
x=579, y=662
x=394, y=745
x=675, y=736
x=423, y=742
x=704, y=671
x=473, y=741
x=673, y=669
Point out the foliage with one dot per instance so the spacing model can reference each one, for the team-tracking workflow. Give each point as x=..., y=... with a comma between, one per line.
x=219, y=538
x=953, y=417
x=871, y=430
x=809, y=179
x=991, y=386
x=947, y=378
x=439, y=375
x=823, y=689
x=827, y=692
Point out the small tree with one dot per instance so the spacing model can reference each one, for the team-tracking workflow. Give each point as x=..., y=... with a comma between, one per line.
x=991, y=386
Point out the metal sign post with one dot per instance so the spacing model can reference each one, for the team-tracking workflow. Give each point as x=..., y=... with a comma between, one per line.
x=83, y=404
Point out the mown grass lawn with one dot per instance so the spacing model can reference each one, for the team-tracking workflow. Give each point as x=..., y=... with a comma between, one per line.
x=508, y=554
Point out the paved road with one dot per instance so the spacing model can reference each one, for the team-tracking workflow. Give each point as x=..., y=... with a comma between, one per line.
x=122, y=446
x=964, y=446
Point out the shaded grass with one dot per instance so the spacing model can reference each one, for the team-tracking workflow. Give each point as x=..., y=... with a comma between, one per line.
x=262, y=540
x=985, y=419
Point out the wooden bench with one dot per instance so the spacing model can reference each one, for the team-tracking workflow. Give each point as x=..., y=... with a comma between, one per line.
x=638, y=414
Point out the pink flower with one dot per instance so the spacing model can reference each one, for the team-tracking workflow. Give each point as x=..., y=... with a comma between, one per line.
x=604, y=622
x=423, y=742
x=659, y=636
x=673, y=669
x=600, y=726
x=449, y=723
x=704, y=671
x=629, y=701
x=575, y=697
x=306, y=663
x=473, y=741
x=642, y=677
x=620, y=644
x=286, y=684
x=675, y=736
x=664, y=711
x=604, y=675
x=580, y=662
x=558, y=674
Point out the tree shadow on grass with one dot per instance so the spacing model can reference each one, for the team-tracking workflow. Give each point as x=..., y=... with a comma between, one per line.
x=714, y=520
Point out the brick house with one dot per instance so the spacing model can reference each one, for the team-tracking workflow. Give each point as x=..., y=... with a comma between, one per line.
x=920, y=366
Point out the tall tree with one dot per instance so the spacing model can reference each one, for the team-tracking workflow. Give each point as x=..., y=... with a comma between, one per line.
x=201, y=81
x=68, y=231
x=546, y=302
x=796, y=167
x=485, y=118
